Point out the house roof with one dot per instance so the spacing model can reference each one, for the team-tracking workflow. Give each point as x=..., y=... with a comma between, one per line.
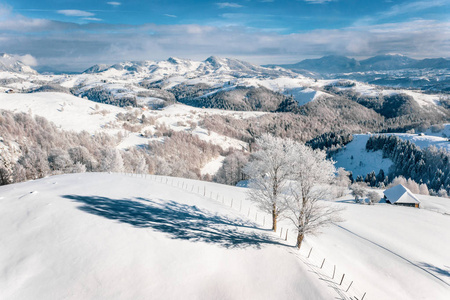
x=400, y=194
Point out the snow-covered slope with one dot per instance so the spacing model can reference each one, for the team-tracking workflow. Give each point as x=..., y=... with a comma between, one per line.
x=65, y=110
x=74, y=113
x=354, y=157
x=391, y=252
x=92, y=236
x=424, y=141
x=108, y=236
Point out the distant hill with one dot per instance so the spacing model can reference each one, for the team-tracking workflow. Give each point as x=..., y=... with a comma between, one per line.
x=343, y=64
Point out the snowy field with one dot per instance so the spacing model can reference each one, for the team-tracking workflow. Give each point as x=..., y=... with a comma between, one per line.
x=93, y=236
x=354, y=157
x=69, y=112
x=107, y=236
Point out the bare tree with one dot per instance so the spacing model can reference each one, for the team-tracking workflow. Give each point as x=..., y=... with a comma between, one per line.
x=269, y=171
x=311, y=169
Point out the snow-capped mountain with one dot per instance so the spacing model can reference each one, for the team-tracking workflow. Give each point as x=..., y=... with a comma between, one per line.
x=387, y=62
x=224, y=83
x=177, y=67
x=342, y=64
x=326, y=64
x=10, y=63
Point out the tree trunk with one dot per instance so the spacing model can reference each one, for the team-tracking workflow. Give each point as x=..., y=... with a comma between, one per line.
x=274, y=218
x=300, y=237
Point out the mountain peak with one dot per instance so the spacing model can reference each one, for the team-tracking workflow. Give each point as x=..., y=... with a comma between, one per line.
x=12, y=63
x=176, y=60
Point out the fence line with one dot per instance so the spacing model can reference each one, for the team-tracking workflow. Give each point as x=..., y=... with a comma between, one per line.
x=319, y=264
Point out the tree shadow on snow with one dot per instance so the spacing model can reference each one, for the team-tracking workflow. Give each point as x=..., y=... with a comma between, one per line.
x=179, y=221
x=436, y=269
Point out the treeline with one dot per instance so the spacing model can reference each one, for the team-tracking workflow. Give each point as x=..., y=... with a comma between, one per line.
x=330, y=141
x=239, y=98
x=32, y=148
x=314, y=120
x=100, y=95
x=430, y=165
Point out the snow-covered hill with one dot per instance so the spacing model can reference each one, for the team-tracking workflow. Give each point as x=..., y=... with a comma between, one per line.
x=77, y=114
x=100, y=235
x=355, y=158
x=107, y=236
x=151, y=83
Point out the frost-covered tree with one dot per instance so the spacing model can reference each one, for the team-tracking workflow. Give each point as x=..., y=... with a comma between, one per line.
x=111, y=160
x=342, y=181
x=269, y=171
x=374, y=197
x=59, y=161
x=358, y=191
x=311, y=169
x=231, y=171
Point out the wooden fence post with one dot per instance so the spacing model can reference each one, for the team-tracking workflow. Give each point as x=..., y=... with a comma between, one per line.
x=287, y=230
x=343, y=275
x=281, y=232
x=322, y=263
x=349, y=286
x=334, y=271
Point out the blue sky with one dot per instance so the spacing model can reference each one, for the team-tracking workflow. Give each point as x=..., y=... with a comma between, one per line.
x=72, y=35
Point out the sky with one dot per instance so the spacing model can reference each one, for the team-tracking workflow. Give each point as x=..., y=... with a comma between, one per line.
x=73, y=35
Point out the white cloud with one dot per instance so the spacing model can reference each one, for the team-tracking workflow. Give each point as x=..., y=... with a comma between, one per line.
x=416, y=6
x=92, y=19
x=75, y=13
x=318, y=1
x=170, y=16
x=11, y=59
x=94, y=43
x=114, y=3
x=228, y=5
x=27, y=59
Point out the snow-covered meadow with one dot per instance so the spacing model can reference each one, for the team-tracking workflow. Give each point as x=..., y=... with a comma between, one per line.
x=100, y=235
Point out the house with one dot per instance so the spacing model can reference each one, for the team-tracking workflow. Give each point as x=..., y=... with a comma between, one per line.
x=400, y=195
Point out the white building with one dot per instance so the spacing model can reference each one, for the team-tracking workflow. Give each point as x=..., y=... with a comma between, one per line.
x=400, y=195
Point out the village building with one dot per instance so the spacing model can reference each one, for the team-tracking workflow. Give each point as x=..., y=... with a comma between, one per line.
x=400, y=195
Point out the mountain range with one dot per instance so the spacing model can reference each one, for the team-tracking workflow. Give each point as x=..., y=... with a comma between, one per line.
x=232, y=84
x=343, y=64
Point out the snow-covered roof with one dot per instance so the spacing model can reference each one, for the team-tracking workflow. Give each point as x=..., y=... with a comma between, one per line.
x=400, y=194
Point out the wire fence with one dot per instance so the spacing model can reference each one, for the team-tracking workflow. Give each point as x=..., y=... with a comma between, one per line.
x=324, y=268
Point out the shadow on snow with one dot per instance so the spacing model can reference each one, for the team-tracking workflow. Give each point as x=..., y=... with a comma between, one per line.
x=435, y=269
x=179, y=221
